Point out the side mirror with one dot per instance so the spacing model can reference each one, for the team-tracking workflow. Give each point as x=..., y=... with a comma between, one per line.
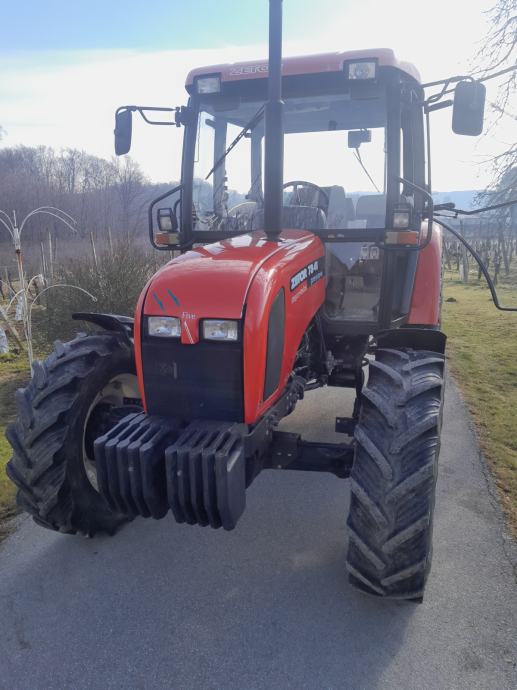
x=123, y=130
x=469, y=108
x=358, y=137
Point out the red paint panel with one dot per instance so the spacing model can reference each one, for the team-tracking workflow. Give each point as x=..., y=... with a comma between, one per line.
x=213, y=281
x=219, y=280
x=303, y=64
x=138, y=342
x=301, y=304
x=426, y=300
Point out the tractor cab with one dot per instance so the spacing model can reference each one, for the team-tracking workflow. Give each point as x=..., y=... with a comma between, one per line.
x=336, y=131
x=352, y=127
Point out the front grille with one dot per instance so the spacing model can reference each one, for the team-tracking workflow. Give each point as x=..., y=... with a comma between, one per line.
x=201, y=381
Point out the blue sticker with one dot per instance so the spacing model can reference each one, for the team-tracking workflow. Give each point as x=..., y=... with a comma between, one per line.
x=159, y=302
x=174, y=298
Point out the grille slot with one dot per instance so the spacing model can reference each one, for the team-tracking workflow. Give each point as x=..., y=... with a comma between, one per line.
x=201, y=381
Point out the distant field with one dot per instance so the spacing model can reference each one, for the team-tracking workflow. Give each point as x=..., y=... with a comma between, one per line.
x=482, y=350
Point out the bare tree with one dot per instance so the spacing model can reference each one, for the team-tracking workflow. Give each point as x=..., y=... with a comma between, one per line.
x=130, y=185
x=499, y=51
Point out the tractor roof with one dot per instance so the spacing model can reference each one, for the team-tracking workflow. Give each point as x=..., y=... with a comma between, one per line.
x=303, y=64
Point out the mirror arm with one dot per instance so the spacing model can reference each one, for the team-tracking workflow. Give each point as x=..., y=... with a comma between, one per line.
x=142, y=109
x=445, y=90
x=183, y=115
x=431, y=107
x=460, y=212
x=180, y=114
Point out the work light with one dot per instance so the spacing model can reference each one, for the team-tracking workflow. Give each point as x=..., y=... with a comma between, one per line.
x=164, y=326
x=216, y=329
x=208, y=84
x=401, y=219
x=364, y=69
x=167, y=221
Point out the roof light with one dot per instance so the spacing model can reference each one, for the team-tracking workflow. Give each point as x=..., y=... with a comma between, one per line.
x=208, y=84
x=364, y=69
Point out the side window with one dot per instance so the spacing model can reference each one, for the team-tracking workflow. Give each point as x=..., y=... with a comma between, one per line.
x=413, y=160
x=203, y=161
x=238, y=168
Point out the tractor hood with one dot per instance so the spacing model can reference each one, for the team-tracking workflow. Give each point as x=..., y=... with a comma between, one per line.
x=191, y=377
x=213, y=281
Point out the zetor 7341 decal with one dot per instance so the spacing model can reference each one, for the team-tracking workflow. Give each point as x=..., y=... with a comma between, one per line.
x=310, y=274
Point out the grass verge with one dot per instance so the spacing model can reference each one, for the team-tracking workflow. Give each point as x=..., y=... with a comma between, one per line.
x=13, y=374
x=482, y=350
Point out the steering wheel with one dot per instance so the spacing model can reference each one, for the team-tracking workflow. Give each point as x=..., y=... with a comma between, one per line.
x=243, y=207
x=323, y=200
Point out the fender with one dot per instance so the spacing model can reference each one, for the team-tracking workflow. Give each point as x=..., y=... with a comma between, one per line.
x=109, y=322
x=415, y=338
x=426, y=300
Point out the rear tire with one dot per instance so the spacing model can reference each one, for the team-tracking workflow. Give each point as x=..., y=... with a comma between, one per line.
x=394, y=474
x=49, y=437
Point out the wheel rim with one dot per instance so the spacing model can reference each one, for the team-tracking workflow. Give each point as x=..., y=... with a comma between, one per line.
x=120, y=390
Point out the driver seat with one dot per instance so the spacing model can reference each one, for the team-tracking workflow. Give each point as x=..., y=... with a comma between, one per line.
x=309, y=196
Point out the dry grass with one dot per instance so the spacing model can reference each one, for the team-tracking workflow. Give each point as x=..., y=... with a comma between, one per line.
x=116, y=279
x=482, y=347
x=14, y=373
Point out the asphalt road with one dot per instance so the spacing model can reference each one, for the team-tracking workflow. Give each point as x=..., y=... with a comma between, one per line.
x=268, y=605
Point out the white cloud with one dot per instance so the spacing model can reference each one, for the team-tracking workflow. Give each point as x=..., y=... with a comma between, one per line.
x=69, y=100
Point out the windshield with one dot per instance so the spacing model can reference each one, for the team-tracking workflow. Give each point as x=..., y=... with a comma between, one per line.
x=334, y=150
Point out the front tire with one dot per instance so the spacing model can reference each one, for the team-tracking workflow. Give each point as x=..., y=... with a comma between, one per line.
x=394, y=474
x=66, y=405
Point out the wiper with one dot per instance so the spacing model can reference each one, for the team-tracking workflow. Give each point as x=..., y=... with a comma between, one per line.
x=250, y=125
x=360, y=161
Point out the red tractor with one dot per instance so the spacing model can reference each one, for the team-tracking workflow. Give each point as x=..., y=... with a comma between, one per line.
x=277, y=288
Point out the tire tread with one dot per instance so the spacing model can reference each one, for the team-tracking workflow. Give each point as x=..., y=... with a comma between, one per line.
x=394, y=474
x=38, y=437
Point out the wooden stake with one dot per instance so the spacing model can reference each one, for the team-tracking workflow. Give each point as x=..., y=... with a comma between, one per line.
x=12, y=329
x=50, y=259
x=43, y=262
x=94, y=253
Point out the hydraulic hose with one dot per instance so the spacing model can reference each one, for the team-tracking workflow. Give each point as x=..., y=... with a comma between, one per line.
x=480, y=263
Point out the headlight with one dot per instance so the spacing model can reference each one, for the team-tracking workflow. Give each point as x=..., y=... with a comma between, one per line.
x=365, y=69
x=164, y=326
x=208, y=84
x=215, y=329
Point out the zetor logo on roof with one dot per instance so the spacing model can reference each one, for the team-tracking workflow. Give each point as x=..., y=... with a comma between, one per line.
x=248, y=69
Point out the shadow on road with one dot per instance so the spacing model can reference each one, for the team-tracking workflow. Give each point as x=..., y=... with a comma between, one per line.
x=267, y=605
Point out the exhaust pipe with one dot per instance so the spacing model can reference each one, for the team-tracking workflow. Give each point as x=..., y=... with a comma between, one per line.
x=274, y=117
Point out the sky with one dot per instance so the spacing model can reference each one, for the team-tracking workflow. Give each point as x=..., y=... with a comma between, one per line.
x=66, y=66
